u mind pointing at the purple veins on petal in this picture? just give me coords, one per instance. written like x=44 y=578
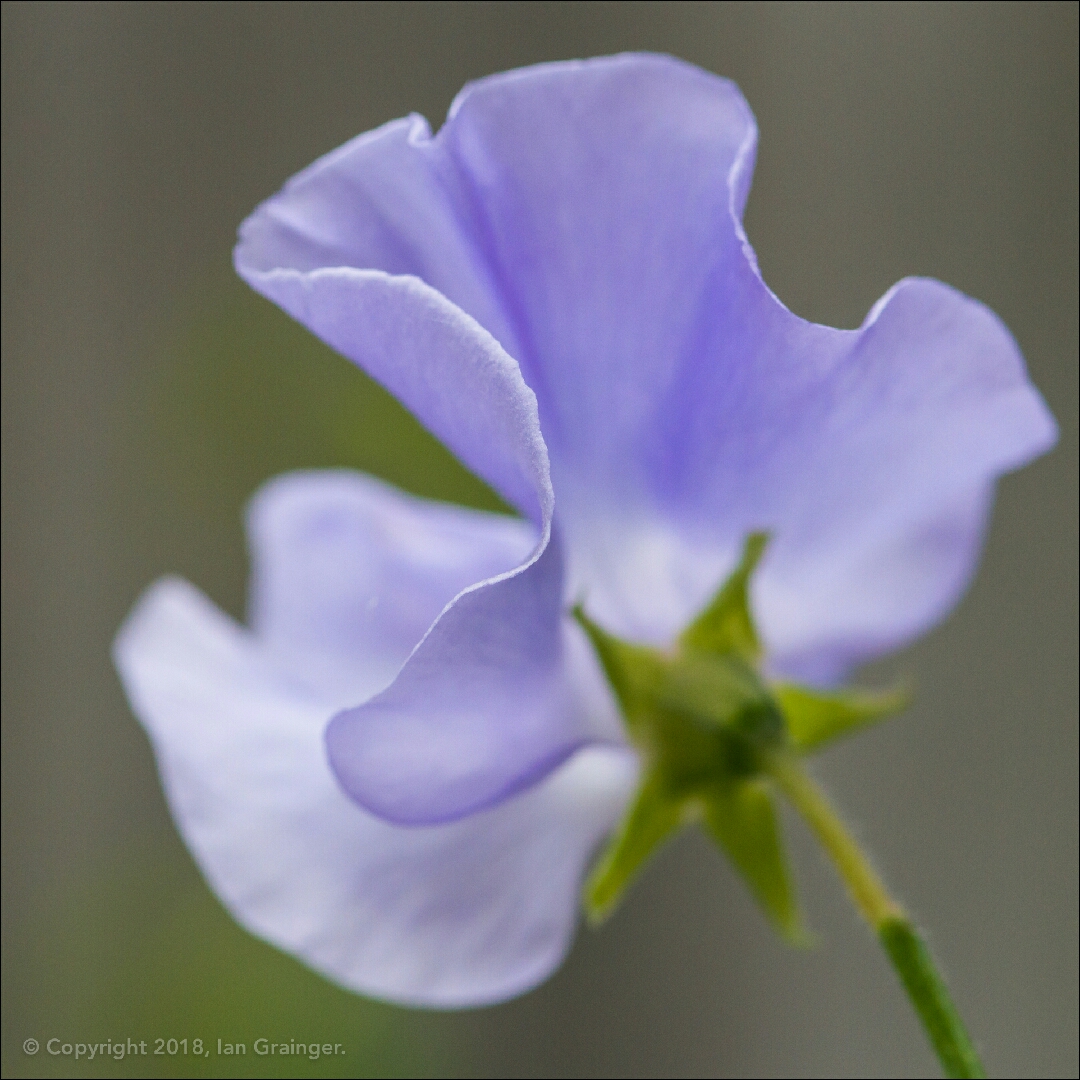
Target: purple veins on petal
x=588 y=214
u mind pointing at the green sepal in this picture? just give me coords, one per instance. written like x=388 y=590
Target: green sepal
x=741 y=817
x=726 y=626
x=816 y=717
x=707 y=724
x=697 y=718
x=633 y=672
x=701 y=719
x=711 y=688
x=652 y=818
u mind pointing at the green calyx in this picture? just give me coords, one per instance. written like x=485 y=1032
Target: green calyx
x=710 y=729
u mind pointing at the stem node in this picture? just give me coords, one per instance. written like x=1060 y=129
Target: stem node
x=907 y=951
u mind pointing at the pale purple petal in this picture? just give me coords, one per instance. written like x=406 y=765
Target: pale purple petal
x=491 y=701
x=603 y=194
x=576 y=210
x=870 y=455
x=900 y=446
x=388 y=200
x=465 y=387
x=447 y=368
x=449 y=916
x=348 y=574
x=588 y=214
x=684 y=406
x=383 y=202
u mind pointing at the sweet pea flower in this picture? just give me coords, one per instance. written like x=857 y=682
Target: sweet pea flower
x=400 y=770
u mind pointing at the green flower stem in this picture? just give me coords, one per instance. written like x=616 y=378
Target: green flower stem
x=930 y=996
x=909 y=955
x=866 y=888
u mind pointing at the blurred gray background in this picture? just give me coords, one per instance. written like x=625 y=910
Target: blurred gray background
x=146 y=394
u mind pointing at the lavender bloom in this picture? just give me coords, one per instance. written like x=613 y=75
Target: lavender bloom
x=400 y=771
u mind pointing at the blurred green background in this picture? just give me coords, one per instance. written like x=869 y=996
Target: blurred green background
x=146 y=394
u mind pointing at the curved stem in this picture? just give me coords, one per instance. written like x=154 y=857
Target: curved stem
x=898 y=936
